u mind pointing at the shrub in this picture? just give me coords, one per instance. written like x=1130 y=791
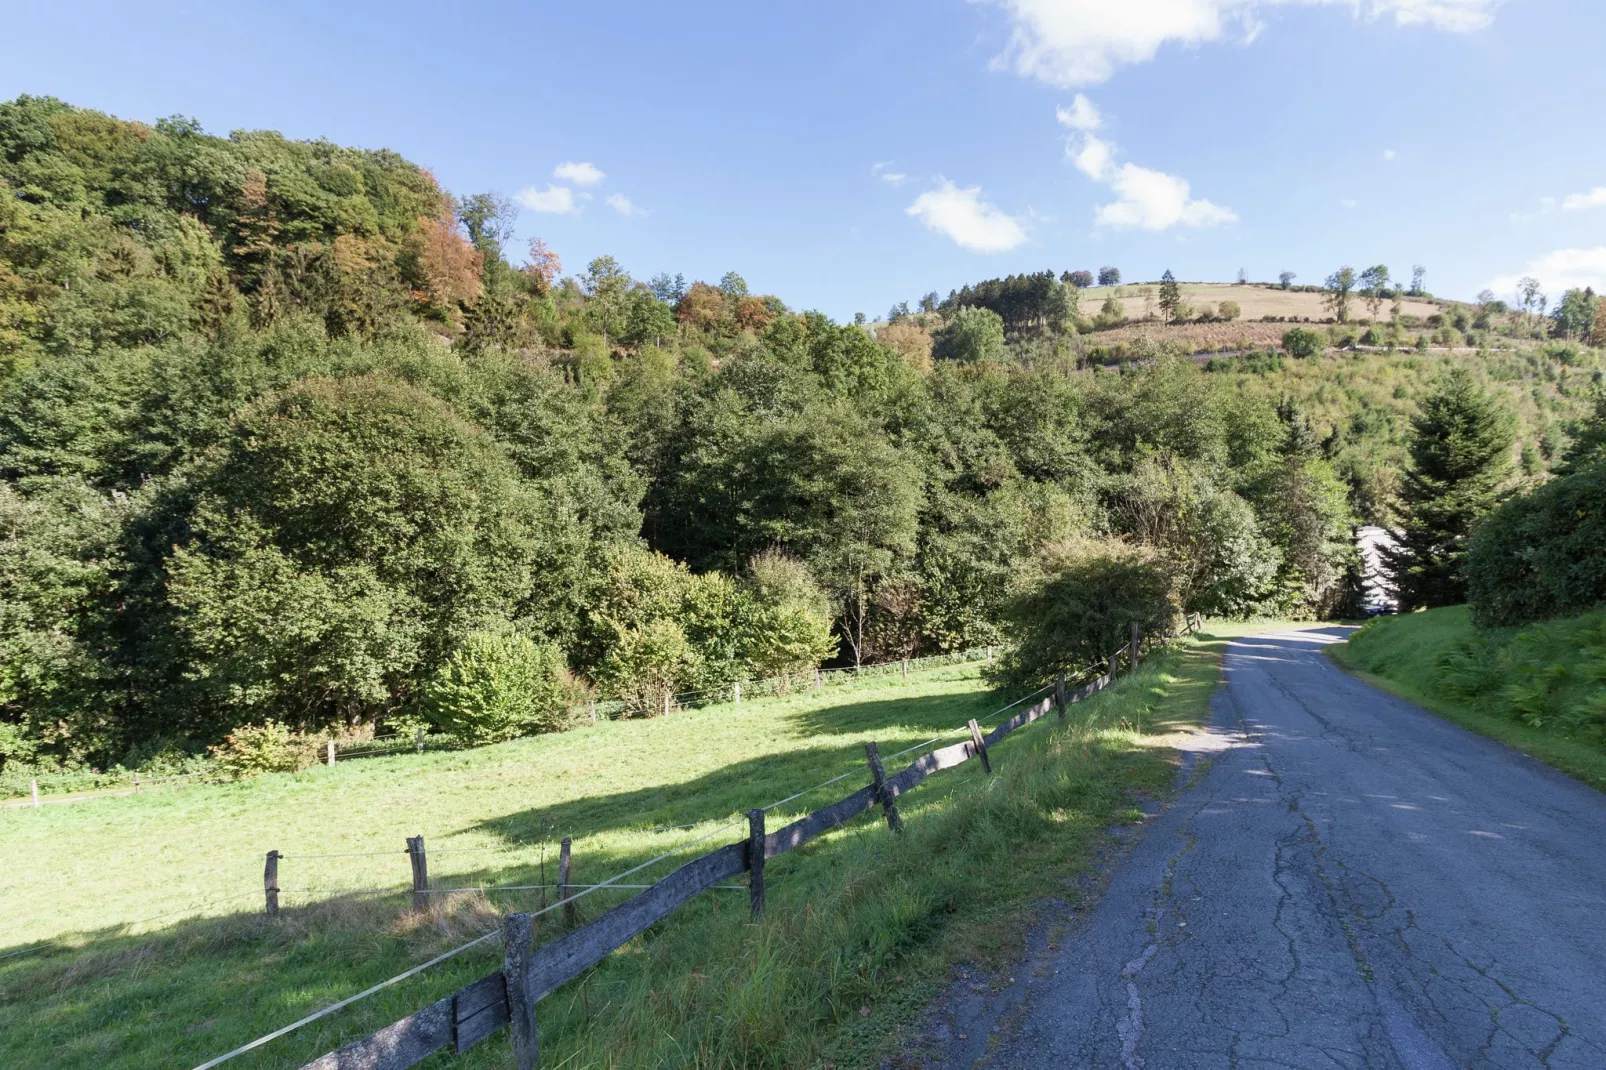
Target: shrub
x=1076 y=606
x=1371 y=337
x=270 y=747
x=498 y=686
x=1541 y=555
x=1229 y=311
x=1300 y=342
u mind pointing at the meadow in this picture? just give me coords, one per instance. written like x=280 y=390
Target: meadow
x=1253 y=301
x=860 y=927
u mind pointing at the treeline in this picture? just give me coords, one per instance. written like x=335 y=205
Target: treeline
x=251 y=476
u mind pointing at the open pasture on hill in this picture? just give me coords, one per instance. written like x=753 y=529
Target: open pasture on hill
x=1254 y=302
x=860 y=923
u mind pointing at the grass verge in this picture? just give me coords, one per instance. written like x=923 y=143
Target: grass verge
x=861 y=925
x=1536 y=690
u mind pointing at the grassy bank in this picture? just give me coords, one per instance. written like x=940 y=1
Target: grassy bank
x=1540 y=689
x=861 y=924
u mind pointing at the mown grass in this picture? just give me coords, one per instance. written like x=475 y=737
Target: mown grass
x=861 y=923
x=1540 y=690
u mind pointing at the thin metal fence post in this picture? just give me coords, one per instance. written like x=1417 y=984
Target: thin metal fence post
x=570 y=914
x=889 y=806
x=517 y=930
x=270 y=883
x=755 y=863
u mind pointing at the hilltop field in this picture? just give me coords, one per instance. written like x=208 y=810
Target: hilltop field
x=1140 y=301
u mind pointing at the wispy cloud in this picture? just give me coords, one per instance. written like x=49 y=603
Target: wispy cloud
x=558 y=200
x=891 y=178
x=1146 y=199
x=1072 y=43
x=1564 y=269
x=623 y=205
x=1389 y=154
x=970 y=221
x=581 y=174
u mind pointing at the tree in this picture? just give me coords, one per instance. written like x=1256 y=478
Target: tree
x=1109 y=276
x=1304 y=512
x=544 y=266
x=910 y=341
x=1170 y=298
x=1300 y=342
x=1418 y=273
x=1339 y=284
x=733 y=284
x=666 y=289
x=1575 y=314
x=1374 y=283
x=972 y=335
x=1080 y=279
x=489 y=219
x=1229 y=311
x=1243 y=276
x=1286 y=278
x=1460 y=464
x=1529 y=295
x=928 y=303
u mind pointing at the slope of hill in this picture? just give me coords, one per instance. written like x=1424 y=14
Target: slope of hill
x=1140 y=301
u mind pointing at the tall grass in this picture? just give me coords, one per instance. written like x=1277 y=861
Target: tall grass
x=1541 y=689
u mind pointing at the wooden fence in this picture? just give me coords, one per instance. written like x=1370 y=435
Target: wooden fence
x=509 y=995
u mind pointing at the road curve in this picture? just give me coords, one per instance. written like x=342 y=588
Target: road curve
x=1353 y=882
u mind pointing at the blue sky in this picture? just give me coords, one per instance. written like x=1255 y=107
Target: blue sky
x=847 y=155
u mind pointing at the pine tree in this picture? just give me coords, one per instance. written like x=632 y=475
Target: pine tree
x=1170 y=297
x=1461 y=462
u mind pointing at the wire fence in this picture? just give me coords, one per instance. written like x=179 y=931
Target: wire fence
x=616 y=882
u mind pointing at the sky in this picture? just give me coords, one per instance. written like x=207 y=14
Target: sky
x=850 y=154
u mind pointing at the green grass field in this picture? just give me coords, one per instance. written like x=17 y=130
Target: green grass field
x=861 y=924
x=1537 y=689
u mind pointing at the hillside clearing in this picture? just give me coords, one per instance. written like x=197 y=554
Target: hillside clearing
x=859 y=921
x=1253 y=301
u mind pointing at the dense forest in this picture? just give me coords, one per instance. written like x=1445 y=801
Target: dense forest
x=288 y=433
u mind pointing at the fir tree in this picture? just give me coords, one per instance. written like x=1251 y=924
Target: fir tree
x=1461 y=461
x=1170 y=297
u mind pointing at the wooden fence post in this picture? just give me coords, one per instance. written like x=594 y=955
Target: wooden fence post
x=989 y=654
x=1132 y=654
x=736 y=694
x=593 y=711
x=755 y=863
x=415 y=851
x=418 y=738
x=979 y=747
x=570 y=915
x=889 y=806
x=1059 y=694
x=33 y=786
x=906 y=668
x=331 y=752
x=516 y=939
x=270 y=882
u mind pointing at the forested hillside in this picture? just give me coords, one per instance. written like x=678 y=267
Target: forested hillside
x=287 y=435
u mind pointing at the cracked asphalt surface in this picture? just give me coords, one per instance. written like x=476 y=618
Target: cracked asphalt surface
x=1353 y=882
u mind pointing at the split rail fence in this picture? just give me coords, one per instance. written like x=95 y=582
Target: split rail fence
x=507 y=997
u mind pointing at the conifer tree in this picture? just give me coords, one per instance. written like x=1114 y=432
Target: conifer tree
x=1460 y=464
x=1170 y=297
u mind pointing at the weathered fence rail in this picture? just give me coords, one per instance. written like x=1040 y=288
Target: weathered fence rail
x=508 y=996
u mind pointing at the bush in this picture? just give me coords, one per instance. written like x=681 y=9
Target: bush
x=270 y=747
x=501 y=685
x=1076 y=607
x=1541 y=555
x=1300 y=342
x=1229 y=311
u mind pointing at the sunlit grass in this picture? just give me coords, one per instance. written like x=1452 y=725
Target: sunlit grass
x=858 y=920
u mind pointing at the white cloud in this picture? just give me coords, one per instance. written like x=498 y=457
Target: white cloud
x=581 y=174
x=1348 y=202
x=1145 y=198
x=1071 y=43
x=891 y=178
x=1388 y=154
x=1154 y=200
x=1081 y=115
x=558 y=200
x=1564 y=269
x=971 y=222
x=1595 y=198
x=623 y=205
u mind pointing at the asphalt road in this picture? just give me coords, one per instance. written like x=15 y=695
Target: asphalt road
x=1353 y=882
